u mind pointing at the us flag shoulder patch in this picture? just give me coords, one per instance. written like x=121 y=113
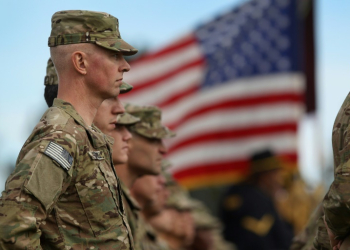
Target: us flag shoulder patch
x=60 y=155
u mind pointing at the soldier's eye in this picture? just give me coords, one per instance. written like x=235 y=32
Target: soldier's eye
x=118 y=56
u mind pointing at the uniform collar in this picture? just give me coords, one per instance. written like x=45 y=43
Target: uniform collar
x=97 y=138
x=132 y=202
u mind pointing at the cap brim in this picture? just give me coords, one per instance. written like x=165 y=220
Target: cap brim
x=125 y=88
x=157 y=133
x=117 y=45
x=127 y=119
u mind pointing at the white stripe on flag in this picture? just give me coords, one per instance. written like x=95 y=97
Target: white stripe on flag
x=244 y=88
x=241 y=118
x=219 y=151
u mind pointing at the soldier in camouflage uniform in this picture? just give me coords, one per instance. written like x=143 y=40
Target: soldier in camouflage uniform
x=175 y=224
x=145 y=155
x=315 y=233
x=336 y=202
x=50 y=83
x=151 y=194
x=64 y=192
x=206 y=230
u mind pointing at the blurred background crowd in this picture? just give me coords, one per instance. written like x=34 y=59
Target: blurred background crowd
x=250 y=87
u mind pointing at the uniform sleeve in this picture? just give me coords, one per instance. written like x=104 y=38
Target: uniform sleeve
x=337 y=204
x=40 y=176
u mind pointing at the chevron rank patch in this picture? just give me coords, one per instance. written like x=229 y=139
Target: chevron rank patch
x=60 y=155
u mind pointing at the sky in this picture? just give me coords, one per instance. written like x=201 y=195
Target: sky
x=152 y=24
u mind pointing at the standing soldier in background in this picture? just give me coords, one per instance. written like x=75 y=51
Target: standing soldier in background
x=51 y=200
x=337 y=201
x=314 y=234
x=151 y=194
x=200 y=231
x=145 y=157
x=51 y=83
x=248 y=213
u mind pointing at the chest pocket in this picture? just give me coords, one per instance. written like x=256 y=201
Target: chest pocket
x=95 y=193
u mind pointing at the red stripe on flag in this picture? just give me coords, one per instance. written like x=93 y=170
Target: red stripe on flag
x=222 y=167
x=162 y=78
x=233 y=134
x=188 y=40
x=244 y=102
x=178 y=96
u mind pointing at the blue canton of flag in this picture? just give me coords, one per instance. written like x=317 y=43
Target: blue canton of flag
x=260 y=37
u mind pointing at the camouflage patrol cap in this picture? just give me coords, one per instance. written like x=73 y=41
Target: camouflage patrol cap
x=179 y=198
x=127 y=119
x=202 y=217
x=125 y=88
x=52 y=79
x=150 y=124
x=51 y=75
x=82 y=26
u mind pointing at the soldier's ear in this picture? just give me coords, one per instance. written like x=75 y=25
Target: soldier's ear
x=79 y=62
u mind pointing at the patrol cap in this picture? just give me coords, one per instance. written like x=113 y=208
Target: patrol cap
x=51 y=75
x=83 y=26
x=150 y=124
x=125 y=88
x=127 y=119
x=165 y=165
x=179 y=199
x=52 y=79
x=203 y=218
x=264 y=161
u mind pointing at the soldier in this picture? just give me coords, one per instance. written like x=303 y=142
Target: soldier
x=193 y=227
x=51 y=85
x=145 y=156
x=248 y=213
x=208 y=230
x=64 y=193
x=336 y=201
x=151 y=195
x=313 y=235
x=172 y=222
x=110 y=118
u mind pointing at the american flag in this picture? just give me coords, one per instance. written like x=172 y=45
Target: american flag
x=232 y=87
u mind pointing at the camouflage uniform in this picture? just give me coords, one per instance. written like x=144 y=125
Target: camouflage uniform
x=148 y=237
x=315 y=227
x=336 y=202
x=132 y=212
x=150 y=126
x=203 y=220
x=64 y=192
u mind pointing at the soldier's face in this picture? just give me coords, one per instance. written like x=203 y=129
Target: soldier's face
x=106 y=116
x=145 y=155
x=151 y=193
x=105 y=72
x=121 y=138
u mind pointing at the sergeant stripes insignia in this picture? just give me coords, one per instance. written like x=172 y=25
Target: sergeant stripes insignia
x=60 y=155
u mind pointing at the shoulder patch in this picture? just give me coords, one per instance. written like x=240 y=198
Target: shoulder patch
x=60 y=155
